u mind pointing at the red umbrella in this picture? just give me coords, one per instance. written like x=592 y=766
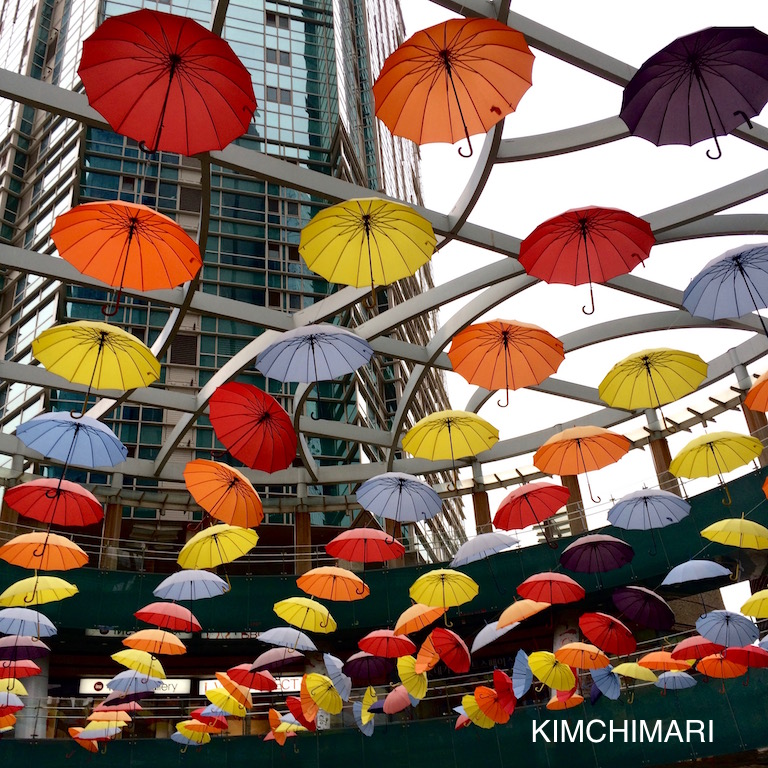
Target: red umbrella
x=18 y=669
x=586 y=245
x=167 y=82
x=216 y=721
x=607 y=633
x=384 y=642
x=295 y=708
x=452 y=650
x=531 y=504
x=255 y=679
x=55 y=501
x=695 y=647
x=365 y=545
x=502 y=684
x=171 y=616
x=553 y=588
x=253 y=427
x=748 y=656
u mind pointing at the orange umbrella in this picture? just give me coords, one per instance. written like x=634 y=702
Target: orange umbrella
x=224 y=493
x=308 y=705
x=663 y=660
x=757 y=397
x=580 y=449
x=87 y=744
x=453 y=80
x=155 y=641
x=718 y=666
x=126 y=245
x=332 y=583
x=556 y=704
x=582 y=656
x=44 y=551
x=238 y=692
x=501 y=354
x=427 y=657
x=488 y=701
x=417 y=617
x=519 y=611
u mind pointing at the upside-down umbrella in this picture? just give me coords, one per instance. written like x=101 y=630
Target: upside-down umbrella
x=489 y=634
x=55 y=501
x=170 y=616
x=365 y=545
x=253 y=426
x=287 y=637
x=305 y=613
x=580 y=449
x=98 y=355
x=581 y=656
x=329 y=582
x=367 y=242
x=126 y=245
x=167 y=82
x=695 y=647
x=453 y=80
x=698 y=87
x=37 y=590
x=553 y=588
x=314 y=353
x=452 y=650
x=727 y=628
x=43 y=550
x=550 y=671
x=531 y=504
x=586 y=245
x=443 y=587
x=368 y=667
x=385 y=643
x=416 y=617
x=217 y=545
x=519 y=611
x=190 y=584
x=606 y=681
x=224 y=492
x=644 y=607
x=502 y=354
x=596 y=553
x=607 y=633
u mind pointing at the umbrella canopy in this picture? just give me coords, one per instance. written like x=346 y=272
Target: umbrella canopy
x=748 y=655
x=275 y=658
x=489 y=634
x=453 y=80
x=757 y=397
x=596 y=553
x=694 y=570
x=132 y=682
x=662 y=660
x=652 y=378
x=25 y=621
x=586 y=245
x=224 y=493
x=416 y=617
x=45 y=551
x=367 y=242
x=756 y=606
x=84 y=442
x=443 y=587
x=335 y=669
x=55 y=501
x=557 y=703
x=675 y=681
x=737 y=532
x=720 y=667
x=365 y=545
x=190 y=585
x=216 y=545
x=385 y=643
x=167 y=82
x=452 y=650
x=531 y=504
x=331 y=583
x=155 y=641
x=643 y=606
x=287 y=637
x=607 y=682
x=88 y=744
x=253 y=679
x=715 y=454
x=488 y=701
x=414 y=682
x=522 y=677
x=323 y=693
x=253 y=426
x=396 y=700
x=502 y=354
x=427 y=658
x=647 y=509
x=367 y=667
x=480 y=547
x=365 y=727
x=297 y=711
x=472 y=711
x=519 y=611
x=223 y=699
x=505 y=696
x=550 y=671
x=398 y=496
x=450 y=435
x=25 y=647
x=140 y=661
x=727 y=628
x=37 y=590
x=553 y=588
x=695 y=647
x=314 y=353
x=700 y=86
x=635 y=671
x=607 y=633
x=581 y=656
x=18 y=669
x=239 y=692
x=169 y=616
x=305 y=613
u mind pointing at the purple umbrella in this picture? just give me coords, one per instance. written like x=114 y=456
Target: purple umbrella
x=700 y=86
x=596 y=553
x=276 y=657
x=643 y=606
x=17 y=647
x=367 y=667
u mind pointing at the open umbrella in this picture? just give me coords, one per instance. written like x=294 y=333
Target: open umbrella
x=488 y=701
x=217 y=545
x=586 y=245
x=55 y=501
x=727 y=628
x=253 y=426
x=453 y=80
x=224 y=493
x=190 y=584
x=550 y=671
x=416 y=617
x=126 y=245
x=489 y=634
x=414 y=682
x=581 y=656
x=400 y=497
x=297 y=711
x=155 y=641
x=522 y=677
x=720 y=667
x=596 y=553
x=385 y=643
x=323 y=693
x=452 y=650
x=275 y=658
x=580 y=449
x=25 y=621
x=519 y=611
x=607 y=633
x=365 y=545
x=43 y=550
x=502 y=354
x=695 y=647
x=443 y=588
x=481 y=547
x=696 y=573
x=314 y=353
x=304 y=613
x=472 y=711
x=167 y=82
x=396 y=700
x=37 y=590
x=427 y=658
x=644 y=607
x=335 y=669
x=329 y=582
x=18 y=669
x=674 y=681
x=700 y=86
x=366 y=667
x=551 y=588
x=169 y=616
x=757 y=397
x=756 y=606
x=287 y=637
x=663 y=661
x=223 y=699
x=142 y=662
x=18 y=647
x=364 y=726
x=531 y=504
x=737 y=532
x=253 y=679
x=635 y=671
x=606 y=681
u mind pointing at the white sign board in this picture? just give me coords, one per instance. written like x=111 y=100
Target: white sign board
x=170 y=687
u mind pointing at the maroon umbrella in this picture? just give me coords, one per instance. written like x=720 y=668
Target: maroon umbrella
x=700 y=86
x=276 y=657
x=15 y=647
x=643 y=606
x=552 y=588
x=596 y=553
x=366 y=667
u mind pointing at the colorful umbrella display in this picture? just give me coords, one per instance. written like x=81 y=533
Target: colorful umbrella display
x=531 y=504
x=453 y=80
x=253 y=426
x=167 y=82
x=698 y=87
x=586 y=245
x=502 y=354
x=400 y=497
x=55 y=501
x=365 y=545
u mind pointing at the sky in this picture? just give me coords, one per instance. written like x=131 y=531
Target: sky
x=631 y=174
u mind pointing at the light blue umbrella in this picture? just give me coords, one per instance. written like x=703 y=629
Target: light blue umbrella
x=607 y=682
x=84 y=442
x=213 y=711
x=489 y=634
x=647 y=509
x=694 y=570
x=8 y=699
x=314 y=353
x=357 y=711
x=522 y=677
x=400 y=497
x=675 y=681
x=341 y=682
x=180 y=738
x=287 y=637
x=190 y=585
x=732 y=285
x=481 y=546
x=131 y=681
x=727 y=628
x=24 y=621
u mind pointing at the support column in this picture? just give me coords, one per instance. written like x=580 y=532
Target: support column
x=757 y=423
x=577 y=520
x=661 y=455
x=110 y=538
x=302 y=528
x=32 y=721
x=480 y=501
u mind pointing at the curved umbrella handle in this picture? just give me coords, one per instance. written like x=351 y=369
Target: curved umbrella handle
x=727 y=501
x=471 y=150
x=746 y=118
x=719 y=151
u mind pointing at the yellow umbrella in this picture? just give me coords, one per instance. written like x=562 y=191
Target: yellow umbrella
x=443 y=588
x=142 y=662
x=240 y=693
x=44 y=551
x=37 y=590
x=757 y=605
x=369 y=698
x=11 y=685
x=413 y=682
x=474 y=713
x=519 y=611
x=223 y=699
x=322 y=691
x=155 y=641
x=450 y=435
x=304 y=613
x=550 y=671
x=737 y=532
x=367 y=241
x=98 y=355
x=582 y=656
x=635 y=671
x=417 y=617
x=199 y=737
x=217 y=545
